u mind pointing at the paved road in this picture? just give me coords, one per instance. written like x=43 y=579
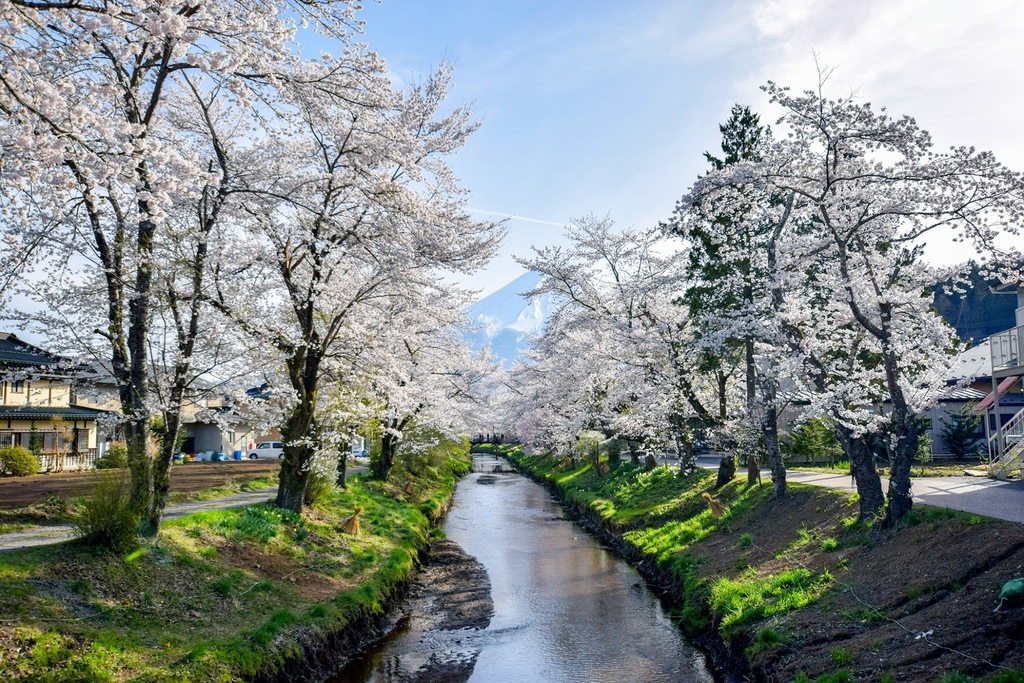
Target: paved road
x=976 y=495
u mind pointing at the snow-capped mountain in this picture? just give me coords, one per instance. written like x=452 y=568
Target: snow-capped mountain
x=505 y=319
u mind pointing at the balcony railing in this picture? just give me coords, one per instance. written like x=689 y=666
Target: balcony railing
x=1007 y=349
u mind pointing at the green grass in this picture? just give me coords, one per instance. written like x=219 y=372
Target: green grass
x=219 y=595
x=751 y=598
x=936 y=516
x=766 y=639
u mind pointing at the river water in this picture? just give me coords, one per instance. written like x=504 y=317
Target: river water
x=565 y=608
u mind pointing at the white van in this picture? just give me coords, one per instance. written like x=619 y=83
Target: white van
x=267 y=449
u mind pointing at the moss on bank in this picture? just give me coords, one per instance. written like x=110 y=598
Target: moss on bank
x=797 y=589
x=220 y=595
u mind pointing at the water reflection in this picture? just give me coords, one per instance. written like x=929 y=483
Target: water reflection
x=565 y=609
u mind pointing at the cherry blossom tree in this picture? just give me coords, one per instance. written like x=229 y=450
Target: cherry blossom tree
x=614 y=355
x=350 y=208
x=860 y=190
x=871 y=186
x=93 y=164
x=733 y=234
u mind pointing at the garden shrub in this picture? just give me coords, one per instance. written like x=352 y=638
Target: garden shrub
x=18 y=461
x=106 y=518
x=116 y=457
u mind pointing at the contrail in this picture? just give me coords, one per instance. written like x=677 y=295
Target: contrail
x=518 y=218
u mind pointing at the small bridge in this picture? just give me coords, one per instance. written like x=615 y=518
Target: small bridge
x=485 y=462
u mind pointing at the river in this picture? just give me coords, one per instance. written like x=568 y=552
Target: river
x=565 y=607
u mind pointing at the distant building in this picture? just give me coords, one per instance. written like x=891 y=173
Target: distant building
x=37 y=410
x=1003 y=407
x=210 y=423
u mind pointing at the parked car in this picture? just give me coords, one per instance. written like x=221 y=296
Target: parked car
x=267 y=449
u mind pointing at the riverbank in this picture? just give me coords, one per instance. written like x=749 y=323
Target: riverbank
x=449 y=601
x=253 y=593
x=797 y=589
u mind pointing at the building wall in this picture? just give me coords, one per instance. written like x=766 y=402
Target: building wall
x=41 y=393
x=54 y=442
x=209 y=437
x=99 y=397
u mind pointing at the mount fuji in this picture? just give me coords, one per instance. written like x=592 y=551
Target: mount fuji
x=505 y=319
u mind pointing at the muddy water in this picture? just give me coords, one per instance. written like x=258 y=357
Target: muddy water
x=565 y=608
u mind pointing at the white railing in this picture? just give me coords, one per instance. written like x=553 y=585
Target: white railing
x=1007 y=348
x=1010 y=447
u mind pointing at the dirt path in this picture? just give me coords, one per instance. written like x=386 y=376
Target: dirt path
x=18 y=492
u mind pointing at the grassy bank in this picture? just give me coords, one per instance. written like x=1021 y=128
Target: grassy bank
x=220 y=595
x=798 y=589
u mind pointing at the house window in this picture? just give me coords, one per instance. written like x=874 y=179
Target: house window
x=6 y=439
x=18 y=386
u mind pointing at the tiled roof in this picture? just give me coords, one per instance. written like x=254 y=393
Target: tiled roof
x=41 y=413
x=15 y=352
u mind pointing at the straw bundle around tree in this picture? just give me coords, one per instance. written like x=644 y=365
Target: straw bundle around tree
x=718 y=508
x=351 y=525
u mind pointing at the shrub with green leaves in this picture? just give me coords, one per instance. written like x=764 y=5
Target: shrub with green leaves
x=588 y=448
x=18 y=461
x=106 y=518
x=813 y=441
x=116 y=457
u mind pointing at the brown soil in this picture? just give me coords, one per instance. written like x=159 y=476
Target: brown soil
x=311 y=584
x=21 y=491
x=909 y=604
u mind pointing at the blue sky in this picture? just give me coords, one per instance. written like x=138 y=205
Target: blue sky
x=599 y=106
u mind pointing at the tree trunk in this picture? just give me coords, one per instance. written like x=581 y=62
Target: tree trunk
x=291 y=490
x=901 y=499
x=753 y=455
x=187 y=326
x=753 y=469
x=140 y=466
x=722 y=406
x=342 y=466
x=726 y=470
x=139 y=461
x=162 y=468
x=687 y=462
x=634 y=453
x=298 y=453
x=770 y=426
x=865 y=476
x=388 y=446
x=904 y=433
